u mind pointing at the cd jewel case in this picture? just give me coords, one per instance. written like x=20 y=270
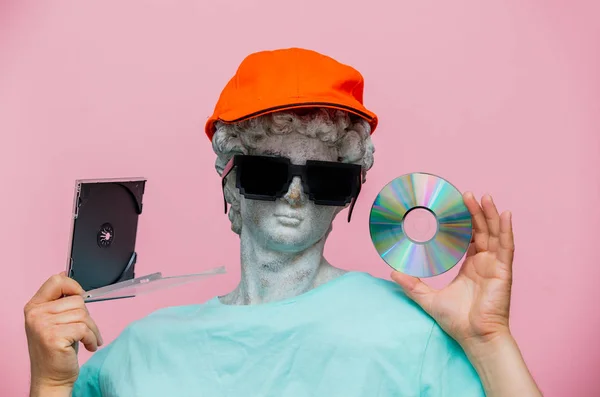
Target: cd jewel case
x=146 y=284
x=102 y=255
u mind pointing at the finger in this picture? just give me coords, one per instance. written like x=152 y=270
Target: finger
x=506 y=247
x=493 y=221
x=64 y=304
x=79 y=315
x=89 y=340
x=56 y=287
x=480 y=232
x=77 y=332
x=415 y=289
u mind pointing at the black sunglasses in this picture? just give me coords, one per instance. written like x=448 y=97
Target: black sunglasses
x=269 y=178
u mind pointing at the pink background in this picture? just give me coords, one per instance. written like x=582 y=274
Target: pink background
x=500 y=97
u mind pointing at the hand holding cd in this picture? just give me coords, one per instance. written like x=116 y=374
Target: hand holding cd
x=474 y=307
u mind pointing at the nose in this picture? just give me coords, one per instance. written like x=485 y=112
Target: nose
x=295 y=195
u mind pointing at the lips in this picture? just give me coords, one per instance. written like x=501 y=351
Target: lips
x=288 y=215
x=288 y=219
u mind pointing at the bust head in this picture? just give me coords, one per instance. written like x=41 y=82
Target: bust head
x=293 y=222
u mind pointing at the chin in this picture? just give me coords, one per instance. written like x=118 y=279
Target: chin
x=283 y=238
x=289 y=240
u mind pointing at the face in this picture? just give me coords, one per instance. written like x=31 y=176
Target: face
x=292 y=223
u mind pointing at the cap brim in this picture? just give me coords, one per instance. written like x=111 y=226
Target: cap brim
x=237 y=116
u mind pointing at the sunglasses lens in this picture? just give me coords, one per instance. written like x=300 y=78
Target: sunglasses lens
x=328 y=183
x=262 y=177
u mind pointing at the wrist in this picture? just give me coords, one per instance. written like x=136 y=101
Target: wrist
x=40 y=388
x=483 y=348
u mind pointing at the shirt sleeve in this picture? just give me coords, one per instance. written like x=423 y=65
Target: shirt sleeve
x=446 y=370
x=88 y=381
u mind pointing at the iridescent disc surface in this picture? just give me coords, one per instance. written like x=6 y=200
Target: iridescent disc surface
x=387 y=225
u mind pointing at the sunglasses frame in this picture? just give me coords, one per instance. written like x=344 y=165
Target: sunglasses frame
x=293 y=171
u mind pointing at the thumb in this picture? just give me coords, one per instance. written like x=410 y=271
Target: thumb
x=415 y=289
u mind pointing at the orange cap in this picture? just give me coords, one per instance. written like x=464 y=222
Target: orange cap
x=270 y=81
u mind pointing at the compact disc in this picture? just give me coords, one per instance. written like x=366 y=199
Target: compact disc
x=420 y=225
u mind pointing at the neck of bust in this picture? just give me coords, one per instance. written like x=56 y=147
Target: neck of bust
x=268 y=275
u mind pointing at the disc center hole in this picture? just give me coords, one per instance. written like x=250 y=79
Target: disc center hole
x=420 y=225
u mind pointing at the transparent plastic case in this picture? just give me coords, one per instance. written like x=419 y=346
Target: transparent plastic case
x=147 y=284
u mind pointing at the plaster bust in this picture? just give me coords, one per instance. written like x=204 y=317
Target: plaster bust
x=282 y=242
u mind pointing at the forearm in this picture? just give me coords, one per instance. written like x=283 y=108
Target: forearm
x=502 y=369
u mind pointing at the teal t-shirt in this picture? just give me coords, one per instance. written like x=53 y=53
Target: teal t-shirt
x=356 y=335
